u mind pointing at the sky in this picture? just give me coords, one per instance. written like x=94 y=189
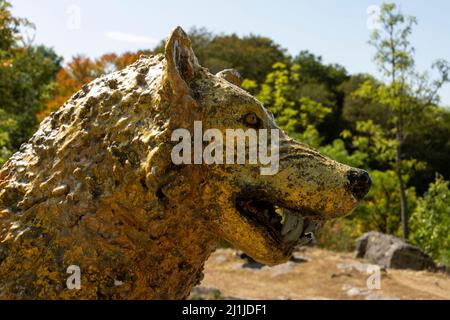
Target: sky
x=337 y=30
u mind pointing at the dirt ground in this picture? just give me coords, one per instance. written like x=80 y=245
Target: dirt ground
x=314 y=274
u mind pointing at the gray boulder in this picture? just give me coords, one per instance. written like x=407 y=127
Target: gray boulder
x=391 y=252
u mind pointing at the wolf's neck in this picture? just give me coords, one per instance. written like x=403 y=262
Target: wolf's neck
x=121 y=255
x=127 y=245
x=177 y=249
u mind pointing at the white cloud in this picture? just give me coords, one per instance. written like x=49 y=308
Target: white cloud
x=132 y=38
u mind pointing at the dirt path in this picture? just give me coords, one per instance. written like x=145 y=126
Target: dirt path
x=314 y=274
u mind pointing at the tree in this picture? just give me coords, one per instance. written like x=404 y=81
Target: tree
x=315 y=70
x=337 y=151
x=357 y=108
x=431 y=221
x=251 y=55
x=323 y=83
x=26 y=76
x=295 y=113
x=7 y=124
x=82 y=70
x=379 y=210
x=434 y=144
x=432 y=133
x=405 y=92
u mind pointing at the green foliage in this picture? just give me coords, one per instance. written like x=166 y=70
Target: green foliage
x=380 y=208
x=394 y=56
x=374 y=141
x=7 y=124
x=403 y=94
x=323 y=83
x=338 y=152
x=337 y=235
x=379 y=145
x=26 y=74
x=24 y=86
x=429 y=142
x=251 y=55
x=296 y=114
x=9 y=29
x=360 y=108
x=376 y=136
x=431 y=221
x=315 y=71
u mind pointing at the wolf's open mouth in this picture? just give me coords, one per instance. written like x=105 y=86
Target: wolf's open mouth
x=285 y=224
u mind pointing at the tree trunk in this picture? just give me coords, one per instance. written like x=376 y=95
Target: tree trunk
x=401 y=183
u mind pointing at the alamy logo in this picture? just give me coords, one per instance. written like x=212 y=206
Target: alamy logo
x=74 y=281
x=374 y=280
x=240 y=146
x=73 y=21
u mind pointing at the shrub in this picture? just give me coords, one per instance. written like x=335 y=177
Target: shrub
x=430 y=221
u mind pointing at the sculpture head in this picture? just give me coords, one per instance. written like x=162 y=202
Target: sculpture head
x=264 y=209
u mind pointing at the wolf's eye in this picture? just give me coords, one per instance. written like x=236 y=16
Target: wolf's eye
x=251 y=119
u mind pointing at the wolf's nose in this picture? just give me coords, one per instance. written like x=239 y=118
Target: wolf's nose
x=360 y=183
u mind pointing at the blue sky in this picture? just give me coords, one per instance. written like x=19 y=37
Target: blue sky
x=335 y=29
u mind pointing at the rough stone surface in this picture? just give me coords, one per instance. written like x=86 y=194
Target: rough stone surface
x=391 y=252
x=231 y=76
x=95 y=187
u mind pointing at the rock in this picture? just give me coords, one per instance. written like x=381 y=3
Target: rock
x=391 y=252
x=232 y=76
x=60 y=191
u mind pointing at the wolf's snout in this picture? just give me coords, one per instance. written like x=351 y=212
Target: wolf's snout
x=359 y=182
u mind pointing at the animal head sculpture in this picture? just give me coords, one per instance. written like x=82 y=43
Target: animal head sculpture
x=264 y=215
x=97 y=187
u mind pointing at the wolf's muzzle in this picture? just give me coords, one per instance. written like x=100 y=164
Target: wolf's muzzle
x=359 y=183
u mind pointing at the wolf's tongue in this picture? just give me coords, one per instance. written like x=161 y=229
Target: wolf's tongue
x=292 y=226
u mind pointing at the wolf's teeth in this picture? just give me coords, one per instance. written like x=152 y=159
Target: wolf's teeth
x=304 y=240
x=295 y=233
x=292 y=227
x=289 y=223
x=311 y=228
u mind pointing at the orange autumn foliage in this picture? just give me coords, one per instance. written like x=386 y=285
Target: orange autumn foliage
x=82 y=70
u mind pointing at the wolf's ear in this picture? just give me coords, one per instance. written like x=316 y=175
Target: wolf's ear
x=182 y=64
x=231 y=75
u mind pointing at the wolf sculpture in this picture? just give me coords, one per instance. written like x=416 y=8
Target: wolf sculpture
x=95 y=188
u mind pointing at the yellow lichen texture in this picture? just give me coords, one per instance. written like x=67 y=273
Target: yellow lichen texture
x=95 y=187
